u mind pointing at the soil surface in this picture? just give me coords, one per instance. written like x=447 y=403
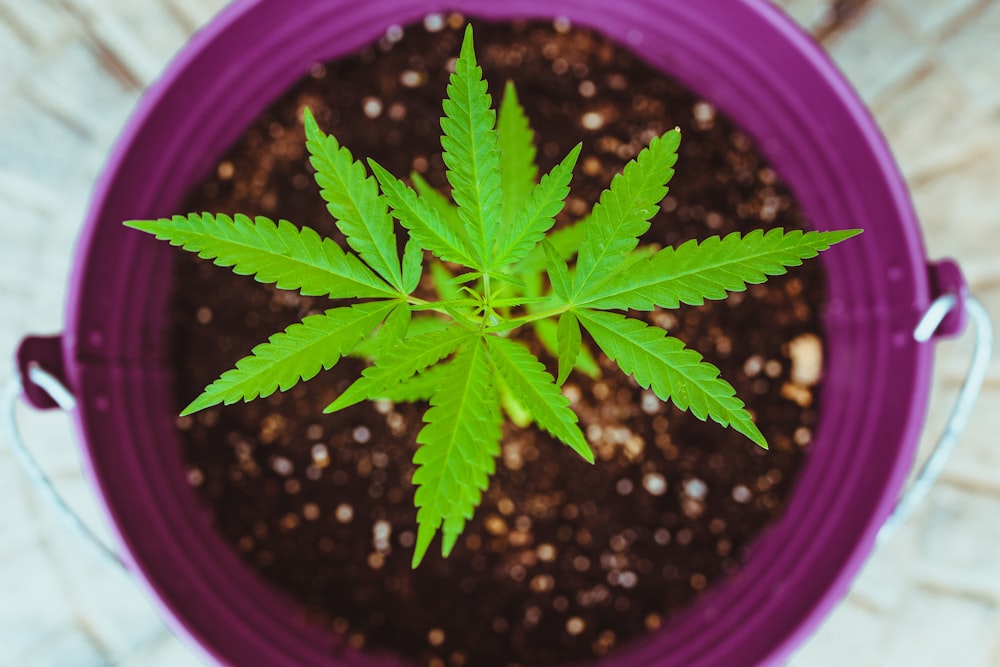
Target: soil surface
x=563 y=560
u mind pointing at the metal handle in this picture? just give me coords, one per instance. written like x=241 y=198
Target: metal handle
x=13 y=389
x=982 y=345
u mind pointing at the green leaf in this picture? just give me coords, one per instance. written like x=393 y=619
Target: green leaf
x=441 y=279
x=458 y=451
x=570 y=342
x=453 y=303
x=508 y=278
x=393 y=330
x=710 y=269
x=637 y=255
x=517 y=156
x=401 y=362
x=369 y=347
x=674 y=372
x=440 y=203
x=536 y=389
x=283 y=254
x=295 y=354
x=533 y=283
x=413 y=261
x=421 y=219
x=566 y=241
x=537 y=215
x=420 y=387
x=557 y=270
x=548 y=335
x=471 y=153
x=622 y=215
x=514 y=301
x=466 y=278
x=515 y=411
x=353 y=200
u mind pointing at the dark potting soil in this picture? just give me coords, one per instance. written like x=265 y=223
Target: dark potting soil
x=563 y=560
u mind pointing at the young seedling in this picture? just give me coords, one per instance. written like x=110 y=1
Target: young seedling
x=495 y=269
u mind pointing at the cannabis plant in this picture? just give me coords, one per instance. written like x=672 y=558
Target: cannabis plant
x=494 y=270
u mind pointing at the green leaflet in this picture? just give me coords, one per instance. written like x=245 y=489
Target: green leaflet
x=370 y=347
x=570 y=343
x=515 y=411
x=517 y=157
x=283 y=254
x=353 y=200
x=622 y=215
x=421 y=219
x=548 y=335
x=394 y=329
x=401 y=362
x=447 y=211
x=557 y=270
x=466 y=278
x=413 y=264
x=566 y=241
x=458 y=449
x=538 y=213
x=696 y=271
x=471 y=153
x=532 y=385
x=297 y=353
x=546 y=329
x=443 y=281
x=674 y=372
x=519 y=301
x=420 y=387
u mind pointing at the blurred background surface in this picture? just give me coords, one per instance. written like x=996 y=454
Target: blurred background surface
x=71 y=72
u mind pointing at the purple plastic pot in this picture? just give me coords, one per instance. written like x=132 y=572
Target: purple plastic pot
x=741 y=54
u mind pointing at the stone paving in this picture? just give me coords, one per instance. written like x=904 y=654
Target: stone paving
x=928 y=69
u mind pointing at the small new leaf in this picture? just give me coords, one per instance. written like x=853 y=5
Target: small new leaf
x=570 y=342
x=537 y=215
x=370 y=347
x=394 y=329
x=557 y=270
x=420 y=387
x=566 y=241
x=421 y=219
x=402 y=362
x=548 y=335
x=517 y=156
x=413 y=264
x=458 y=449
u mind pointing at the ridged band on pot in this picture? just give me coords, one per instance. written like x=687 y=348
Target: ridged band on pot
x=742 y=55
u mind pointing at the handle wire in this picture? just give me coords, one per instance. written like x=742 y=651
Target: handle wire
x=958 y=419
x=9 y=394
